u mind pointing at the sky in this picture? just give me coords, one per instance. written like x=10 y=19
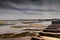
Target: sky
x=29 y=10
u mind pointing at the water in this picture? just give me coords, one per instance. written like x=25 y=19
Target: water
x=9 y=29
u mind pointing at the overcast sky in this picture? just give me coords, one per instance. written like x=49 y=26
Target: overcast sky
x=29 y=11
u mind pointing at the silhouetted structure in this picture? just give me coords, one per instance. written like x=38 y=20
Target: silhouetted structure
x=55 y=27
x=52 y=30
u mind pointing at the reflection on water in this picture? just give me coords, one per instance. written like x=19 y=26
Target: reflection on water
x=8 y=29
